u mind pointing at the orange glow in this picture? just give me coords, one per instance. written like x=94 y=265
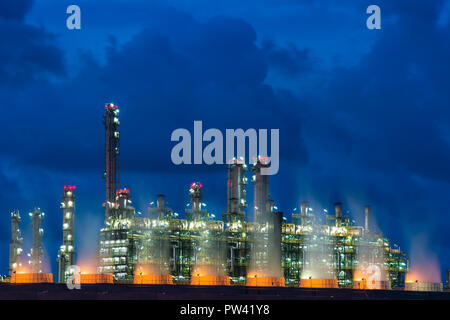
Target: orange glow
x=86 y=266
x=423 y=286
x=208 y=275
x=150 y=269
x=23 y=277
x=424 y=264
x=423 y=274
x=152 y=279
x=22 y=270
x=360 y=279
x=200 y=280
x=258 y=280
x=318 y=283
x=94 y=278
x=365 y=278
x=412 y=277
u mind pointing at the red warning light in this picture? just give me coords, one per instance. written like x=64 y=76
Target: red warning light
x=124 y=190
x=196 y=185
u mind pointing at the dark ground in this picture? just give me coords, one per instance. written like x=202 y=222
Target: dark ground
x=184 y=292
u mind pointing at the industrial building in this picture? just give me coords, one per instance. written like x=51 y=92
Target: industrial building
x=66 y=254
x=447 y=279
x=15 y=245
x=163 y=248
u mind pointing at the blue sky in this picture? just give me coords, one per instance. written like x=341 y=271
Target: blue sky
x=363 y=114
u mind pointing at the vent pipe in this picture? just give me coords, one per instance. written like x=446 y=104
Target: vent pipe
x=338 y=213
x=367 y=217
x=160 y=201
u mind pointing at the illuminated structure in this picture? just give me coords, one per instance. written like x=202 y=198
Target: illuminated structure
x=200 y=250
x=235 y=233
x=447 y=279
x=111 y=174
x=261 y=191
x=117 y=247
x=37 y=253
x=66 y=254
x=265 y=236
x=196 y=213
x=116 y=251
x=15 y=245
x=162 y=248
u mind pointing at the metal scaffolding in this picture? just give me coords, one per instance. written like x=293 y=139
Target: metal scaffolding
x=15 y=245
x=163 y=245
x=66 y=254
x=36 y=253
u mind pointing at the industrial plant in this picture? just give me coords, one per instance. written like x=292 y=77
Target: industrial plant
x=199 y=250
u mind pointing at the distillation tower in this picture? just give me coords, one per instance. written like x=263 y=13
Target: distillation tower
x=66 y=254
x=37 y=253
x=15 y=245
x=235 y=220
x=266 y=250
x=261 y=192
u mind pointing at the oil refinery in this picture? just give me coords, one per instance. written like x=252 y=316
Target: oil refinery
x=200 y=250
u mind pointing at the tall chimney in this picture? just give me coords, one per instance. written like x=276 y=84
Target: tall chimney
x=304 y=205
x=261 y=192
x=111 y=174
x=338 y=213
x=160 y=201
x=270 y=205
x=195 y=192
x=236 y=195
x=367 y=217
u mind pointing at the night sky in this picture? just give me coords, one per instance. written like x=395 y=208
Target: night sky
x=363 y=114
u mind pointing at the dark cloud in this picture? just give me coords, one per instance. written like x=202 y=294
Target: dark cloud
x=289 y=61
x=163 y=81
x=28 y=53
x=15 y=10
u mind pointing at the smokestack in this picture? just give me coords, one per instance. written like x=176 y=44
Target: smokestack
x=338 y=213
x=236 y=196
x=447 y=279
x=304 y=205
x=111 y=174
x=274 y=246
x=367 y=217
x=36 y=253
x=261 y=192
x=160 y=211
x=195 y=192
x=160 y=201
x=15 y=245
x=270 y=205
